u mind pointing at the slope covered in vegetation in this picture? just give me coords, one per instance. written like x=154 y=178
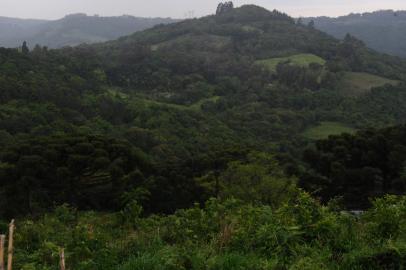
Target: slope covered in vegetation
x=189 y=92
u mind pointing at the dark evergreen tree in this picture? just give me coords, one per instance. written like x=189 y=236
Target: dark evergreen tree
x=224 y=7
x=24 y=48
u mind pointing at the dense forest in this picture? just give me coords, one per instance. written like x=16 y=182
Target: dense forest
x=382 y=30
x=358 y=167
x=211 y=143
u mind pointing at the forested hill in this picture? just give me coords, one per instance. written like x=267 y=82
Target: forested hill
x=71 y=30
x=162 y=114
x=383 y=31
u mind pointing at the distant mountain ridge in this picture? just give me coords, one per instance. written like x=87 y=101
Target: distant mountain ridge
x=72 y=30
x=384 y=30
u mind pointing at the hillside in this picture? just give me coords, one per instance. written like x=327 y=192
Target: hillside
x=216 y=120
x=186 y=91
x=71 y=30
x=383 y=31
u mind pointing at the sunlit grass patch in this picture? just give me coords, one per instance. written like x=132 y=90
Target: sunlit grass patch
x=325 y=129
x=297 y=59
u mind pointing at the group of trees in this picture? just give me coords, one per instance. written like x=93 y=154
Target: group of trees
x=85 y=171
x=301 y=77
x=358 y=167
x=224 y=7
x=101 y=173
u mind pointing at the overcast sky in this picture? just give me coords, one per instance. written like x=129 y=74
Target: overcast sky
x=53 y=9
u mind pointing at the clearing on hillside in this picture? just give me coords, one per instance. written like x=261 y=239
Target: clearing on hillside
x=358 y=83
x=303 y=60
x=204 y=42
x=195 y=106
x=325 y=129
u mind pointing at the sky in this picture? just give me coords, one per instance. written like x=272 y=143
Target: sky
x=55 y=9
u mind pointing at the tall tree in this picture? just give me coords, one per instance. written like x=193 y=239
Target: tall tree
x=224 y=7
x=24 y=48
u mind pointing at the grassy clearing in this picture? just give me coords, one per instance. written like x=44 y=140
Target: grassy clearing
x=198 y=105
x=358 y=83
x=117 y=92
x=297 y=59
x=325 y=129
x=195 y=106
x=205 y=41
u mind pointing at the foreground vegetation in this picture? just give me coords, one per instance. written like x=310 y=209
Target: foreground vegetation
x=223 y=235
